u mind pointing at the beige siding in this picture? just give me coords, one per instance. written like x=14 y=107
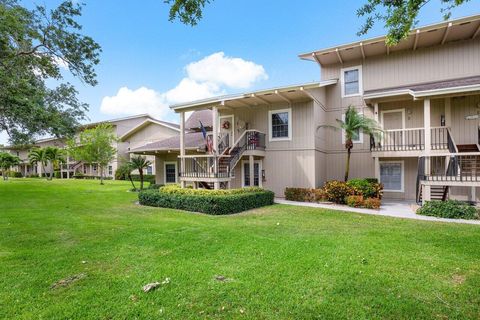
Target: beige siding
x=465 y=131
x=453 y=60
x=361 y=165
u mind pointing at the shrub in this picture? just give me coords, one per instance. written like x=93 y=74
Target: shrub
x=337 y=191
x=33 y=175
x=78 y=175
x=58 y=174
x=155 y=186
x=298 y=194
x=355 y=201
x=146 y=178
x=119 y=175
x=372 y=203
x=452 y=209
x=14 y=174
x=368 y=188
x=215 y=202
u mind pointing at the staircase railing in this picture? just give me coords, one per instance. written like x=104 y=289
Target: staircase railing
x=249 y=140
x=420 y=176
x=224 y=143
x=452 y=146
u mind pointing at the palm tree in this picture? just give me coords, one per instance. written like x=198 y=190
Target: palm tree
x=39 y=156
x=125 y=170
x=354 y=123
x=139 y=163
x=6 y=162
x=56 y=157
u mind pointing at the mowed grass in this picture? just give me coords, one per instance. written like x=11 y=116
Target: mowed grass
x=281 y=262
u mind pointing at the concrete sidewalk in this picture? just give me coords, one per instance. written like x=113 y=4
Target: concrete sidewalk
x=398 y=209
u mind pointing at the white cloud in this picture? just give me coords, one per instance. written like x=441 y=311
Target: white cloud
x=222 y=70
x=190 y=90
x=131 y=102
x=206 y=78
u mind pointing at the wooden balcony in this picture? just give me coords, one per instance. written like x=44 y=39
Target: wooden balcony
x=409 y=142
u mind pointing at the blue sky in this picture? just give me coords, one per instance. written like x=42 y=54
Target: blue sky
x=142 y=49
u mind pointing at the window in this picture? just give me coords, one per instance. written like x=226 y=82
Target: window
x=351 y=80
x=391 y=175
x=280 y=123
x=257 y=169
x=110 y=170
x=357 y=137
x=170 y=172
x=149 y=170
x=84 y=169
x=95 y=166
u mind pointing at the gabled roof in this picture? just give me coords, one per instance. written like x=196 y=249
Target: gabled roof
x=427 y=36
x=193 y=141
x=147 y=122
x=204 y=116
x=451 y=86
x=260 y=97
x=112 y=121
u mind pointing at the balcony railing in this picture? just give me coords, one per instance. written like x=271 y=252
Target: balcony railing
x=458 y=167
x=206 y=166
x=400 y=140
x=412 y=139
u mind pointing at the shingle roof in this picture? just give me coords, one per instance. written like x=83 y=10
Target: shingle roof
x=444 y=84
x=193 y=140
x=193 y=122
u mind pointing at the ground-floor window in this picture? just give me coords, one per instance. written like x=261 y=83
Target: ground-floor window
x=110 y=170
x=257 y=169
x=84 y=169
x=392 y=175
x=149 y=170
x=170 y=172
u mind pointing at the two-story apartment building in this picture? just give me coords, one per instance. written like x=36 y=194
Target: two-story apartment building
x=425 y=93
x=131 y=132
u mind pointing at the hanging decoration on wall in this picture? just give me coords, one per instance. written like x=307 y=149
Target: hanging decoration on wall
x=226 y=125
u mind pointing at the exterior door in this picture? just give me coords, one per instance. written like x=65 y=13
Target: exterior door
x=393 y=120
x=226 y=127
x=246 y=174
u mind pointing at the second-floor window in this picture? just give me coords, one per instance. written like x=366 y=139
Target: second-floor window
x=351 y=80
x=280 y=123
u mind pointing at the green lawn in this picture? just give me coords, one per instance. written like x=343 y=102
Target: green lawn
x=282 y=262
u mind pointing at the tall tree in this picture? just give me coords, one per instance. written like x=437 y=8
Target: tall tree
x=56 y=157
x=399 y=17
x=7 y=161
x=139 y=163
x=95 y=146
x=39 y=156
x=35 y=45
x=352 y=125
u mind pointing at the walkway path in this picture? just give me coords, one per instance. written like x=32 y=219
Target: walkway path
x=390 y=209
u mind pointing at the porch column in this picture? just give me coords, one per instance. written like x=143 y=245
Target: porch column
x=25 y=170
x=251 y=165
x=182 y=147
x=448 y=112
x=426 y=194
x=215 y=128
x=427 y=126
x=377 y=168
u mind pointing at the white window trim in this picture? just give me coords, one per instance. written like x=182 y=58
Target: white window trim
x=260 y=168
x=360 y=81
x=270 y=131
x=402 y=163
x=165 y=172
x=360 y=134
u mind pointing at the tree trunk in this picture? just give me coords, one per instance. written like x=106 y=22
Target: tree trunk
x=42 y=166
x=131 y=181
x=101 y=175
x=349 y=146
x=140 y=171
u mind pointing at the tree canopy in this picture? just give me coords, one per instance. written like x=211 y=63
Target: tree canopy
x=35 y=45
x=7 y=161
x=94 y=146
x=399 y=17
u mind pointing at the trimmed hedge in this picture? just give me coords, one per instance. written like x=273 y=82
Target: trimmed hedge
x=146 y=178
x=452 y=209
x=214 y=202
